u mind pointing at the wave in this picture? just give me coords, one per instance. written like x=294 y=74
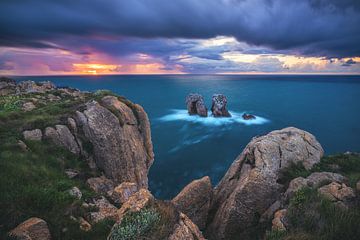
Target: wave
x=236 y=117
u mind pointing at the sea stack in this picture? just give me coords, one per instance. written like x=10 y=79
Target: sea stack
x=195 y=105
x=218 y=107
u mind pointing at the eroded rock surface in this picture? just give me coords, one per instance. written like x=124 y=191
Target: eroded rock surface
x=218 y=107
x=194 y=200
x=62 y=136
x=195 y=105
x=250 y=185
x=32 y=229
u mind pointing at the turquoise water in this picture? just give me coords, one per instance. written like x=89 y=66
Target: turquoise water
x=187 y=147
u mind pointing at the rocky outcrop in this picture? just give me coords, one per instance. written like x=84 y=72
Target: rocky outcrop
x=218 y=107
x=120 y=136
x=62 y=136
x=250 y=185
x=279 y=221
x=105 y=210
x=32 y=229
x=101 y=185
x=247 y=116
x=7 y=86
x=123 y=192
x=195 y=105
x=28 y=106
x=34 y=87
x=33 y=135
x=194 y=200
x=340 y=194
x=186 y=229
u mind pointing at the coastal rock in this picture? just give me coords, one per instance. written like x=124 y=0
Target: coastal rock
x=28 y=106
x=123 y=192
x=62 y=136
x=186 y=229
x=246 y=116
x=250 y=185
x=101 y=185
x=7 y=86
x=218 y=107
x=33 y=87
x=339 y=193
x=195 y=105
x=32 y=229
x=314 y=180
x=33 y=135
x=135 y=203
x=194 y=200
x=279 y=221
x=105 y=211
x=121 y=141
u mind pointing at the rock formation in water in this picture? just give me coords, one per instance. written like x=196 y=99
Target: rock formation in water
x=251 y=186
x=195 y=105
x=247 y=116
x=218 y=107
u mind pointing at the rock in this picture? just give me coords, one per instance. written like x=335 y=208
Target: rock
x=72 y=125
x=33 y=87
x=84 y=225
x=315 y=180
x=71 y=173
x=22 y=146
x=75 y=192
x=246 y=116
x=194 y=200
x=186 y=229
x=250 y=185
x=7 y=86
x=337 y=192
x=122 y=147
x=218 y=107
x=52 y=97
x=123 y=192
x=28 y=106
x=269 y=213
x=32 y=229
x=195 y=105
x=279 y=221
x=62 y=136
x=105 y=211
x=101 y=185
x=33 y=135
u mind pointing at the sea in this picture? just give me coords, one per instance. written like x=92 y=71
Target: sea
x=190 y=147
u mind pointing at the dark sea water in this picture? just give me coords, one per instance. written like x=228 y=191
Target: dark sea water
x=187 y=147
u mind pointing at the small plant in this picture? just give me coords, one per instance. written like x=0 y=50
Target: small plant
x=135 y=224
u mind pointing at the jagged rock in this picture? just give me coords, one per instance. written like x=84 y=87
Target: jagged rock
x=246 y=116
x=33 y=87
x=7 y=86
x=33 y=135
x=62 y=136
x=175 y=225
x=32 y=229
x=121 y=141
x=315 y=180
x=250 y=185
x=75 y=192
x=123 y=192
x=84 y=225
x=195 y=105
x=101 y=185
x=28 y=106
x=218 y=107
x=194 y=200
x=338 y=193
x=105 y=211
x=71 y=173
x=22 y=146
x=279 y=221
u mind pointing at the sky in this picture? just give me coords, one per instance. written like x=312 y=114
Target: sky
x=54 y=37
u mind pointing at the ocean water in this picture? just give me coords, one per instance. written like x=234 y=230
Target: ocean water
x=190 y=147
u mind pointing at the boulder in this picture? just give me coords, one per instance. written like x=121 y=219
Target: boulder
x=194 y=200
x=33 y=87
x=251 y=186
x=62 y=136
x=105 y=211
x=32 y=229
x=218 y=107
x=314 y=180
x=120 y=135
x=75 y=192
x=33 y=135
x=123 y=192
x=279 y=221
x=338 y=193
x=195 y=105
x=101 y=185
x=246 y=116
x=7 y=86
x=28 y=106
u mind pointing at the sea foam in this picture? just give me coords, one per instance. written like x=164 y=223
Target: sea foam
x=236 y=117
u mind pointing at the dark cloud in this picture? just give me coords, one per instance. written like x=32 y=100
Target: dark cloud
x=328 y=28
